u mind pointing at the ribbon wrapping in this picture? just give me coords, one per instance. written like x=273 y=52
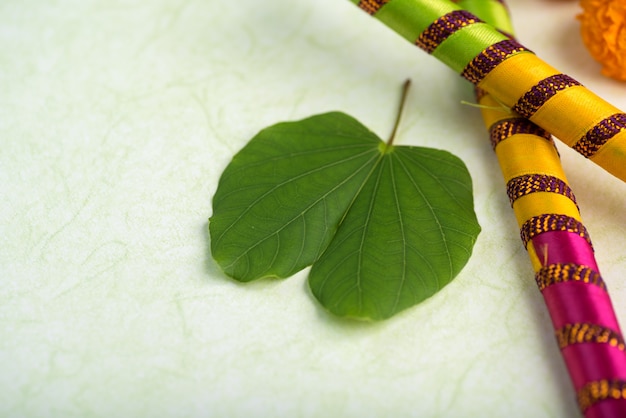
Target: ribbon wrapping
x=543 y=101
x=511 y=73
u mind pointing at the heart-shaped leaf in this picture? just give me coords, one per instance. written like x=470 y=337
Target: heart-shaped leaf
x=383 y=226
x=408 y=233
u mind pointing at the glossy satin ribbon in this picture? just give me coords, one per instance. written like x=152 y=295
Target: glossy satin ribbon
x=511 y=73
x=561 y=251
x=559 y=247
x=541 y=101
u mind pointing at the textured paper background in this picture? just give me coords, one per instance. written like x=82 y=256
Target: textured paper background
x=116 y=119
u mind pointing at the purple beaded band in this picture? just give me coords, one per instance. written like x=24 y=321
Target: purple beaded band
x=372 y=6
x=533 y=99
x=600 y=390
x=442 y=28
x=579 y=333
x=597 y=136
x=490 y=58
x=552 y=222
x=567 y=272
x=532 y=183
x=506 y=128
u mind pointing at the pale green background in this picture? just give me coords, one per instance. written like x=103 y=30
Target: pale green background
x=116 y=120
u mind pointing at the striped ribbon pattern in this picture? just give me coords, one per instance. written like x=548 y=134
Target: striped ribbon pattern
x=586 y=329
x=544 y=101
x=514 y=75
x=560 y=249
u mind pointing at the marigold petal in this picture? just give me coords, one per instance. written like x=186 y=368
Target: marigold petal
x=603 y=31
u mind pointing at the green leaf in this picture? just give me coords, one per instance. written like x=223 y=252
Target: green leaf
x=409 y=233
x=280 y=200
x=384 y=226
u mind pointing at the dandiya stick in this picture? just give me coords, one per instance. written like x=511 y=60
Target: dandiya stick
x=559 y=246
x=558 y=243
x=512 y=74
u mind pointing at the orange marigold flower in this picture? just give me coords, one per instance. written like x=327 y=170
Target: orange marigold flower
x=603 y=30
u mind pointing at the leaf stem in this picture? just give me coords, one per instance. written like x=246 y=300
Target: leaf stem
x=405 y=90
x=500 y=107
